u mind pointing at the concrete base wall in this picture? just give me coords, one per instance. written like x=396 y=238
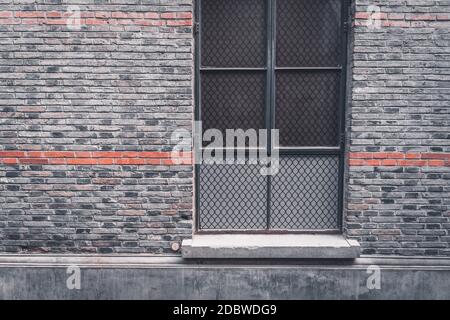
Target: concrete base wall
x=144 y=277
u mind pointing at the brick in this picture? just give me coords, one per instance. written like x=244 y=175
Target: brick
x=389 y=162
x=94 y=21
x=59 y=154
x=153 y=161
x=53 y=14
x=168 y=15
x=81 y=161
x=392 y=112
x=85 y=128
x=9 y=161
x=100 y=14
x=59 y=161
x=86 y=122
x=361 y=155
x=413 y=156
x=83 y=154
x=151 y=15
x=362 y=15
x=29 y=14
x=9 y=21
x=179 y=23
x=105 y=161
x=11 y=154
x=184 y=15
x=33 y=161
x=441 y=156
x=6 y=14
x=436 y=163
x=107 y=154
x=413 y=163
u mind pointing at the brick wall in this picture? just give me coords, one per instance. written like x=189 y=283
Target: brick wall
x=398 y=194
x=86 y=116
x=85 y=121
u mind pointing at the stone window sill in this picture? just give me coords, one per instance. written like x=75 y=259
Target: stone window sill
x=278 y=246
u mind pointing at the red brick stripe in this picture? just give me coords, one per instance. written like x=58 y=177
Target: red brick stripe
x=92 y=158
x=402 y=20
x=170 y=19
x=356 y=159
x=372 y=159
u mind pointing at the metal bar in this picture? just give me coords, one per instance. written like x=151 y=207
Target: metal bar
x=211 y=69
x=342 y=105
x=271 y=231
x=269 y=65
x=272 y=64
x=270 y=118
x=308 y=68
x=286 y=151
x=309 y=151
x=197 y=90
x=337 y=149
x=236 y=149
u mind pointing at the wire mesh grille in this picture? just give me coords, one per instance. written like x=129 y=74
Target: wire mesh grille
x=307 y=108
x=304 y=193
x=308 y=33
x=233 y=100
x=234 y=33
x=232 y=197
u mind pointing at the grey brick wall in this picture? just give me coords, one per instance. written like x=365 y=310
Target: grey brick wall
x=80 y=108
x=120 y=83
x=400 y=110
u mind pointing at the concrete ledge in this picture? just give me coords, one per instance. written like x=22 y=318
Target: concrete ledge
x=146 y=277
x=138 y=261
x=271 y=246
x=87 y=260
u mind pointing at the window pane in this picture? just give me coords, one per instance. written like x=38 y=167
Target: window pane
x=304 y=193
x=233 y=100
x=233 y=33
x=307 y=33
x=232 y=197
x=307 y=108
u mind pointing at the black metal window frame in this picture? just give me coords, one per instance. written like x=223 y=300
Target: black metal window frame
x=270 y=69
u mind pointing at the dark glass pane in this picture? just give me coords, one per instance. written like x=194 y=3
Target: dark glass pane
x=308 y=33
x=233 y=100
x=307 y=108
x=304 y=194
x=233 y=33
x=232 y=197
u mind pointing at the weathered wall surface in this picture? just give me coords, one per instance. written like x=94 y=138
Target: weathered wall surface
x=85 y=122
x=140 y=277
x=86 y=117
x=399 y=192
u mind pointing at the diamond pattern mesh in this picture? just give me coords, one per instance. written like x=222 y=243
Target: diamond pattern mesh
x=233 y=100
x=232 y=197
x=307 y=107
x=304 y=193
x=308 y=33
x=233 y=33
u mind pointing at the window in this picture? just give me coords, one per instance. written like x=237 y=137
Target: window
x=273 y=64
